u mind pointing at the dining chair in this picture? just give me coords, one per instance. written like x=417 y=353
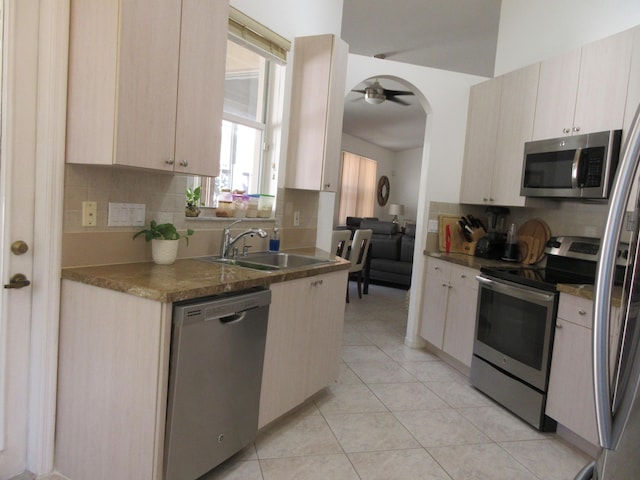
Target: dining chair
x=358 y=255
x=340 y=242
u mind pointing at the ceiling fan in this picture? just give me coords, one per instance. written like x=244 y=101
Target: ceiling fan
x=376 y=94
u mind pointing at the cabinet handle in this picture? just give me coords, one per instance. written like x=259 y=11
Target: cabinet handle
x=170 y=161
x=327 y=185
x=463 y=276
x=576 y=129
x=566 y=130
x=315 y=283
x=582 y=312
x=558 y=326
x=485 y=199
x=444 y=284
x=184 y=163
x=436 y=268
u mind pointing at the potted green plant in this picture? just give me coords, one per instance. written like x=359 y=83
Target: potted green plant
x=193 y=202
x=164 y=241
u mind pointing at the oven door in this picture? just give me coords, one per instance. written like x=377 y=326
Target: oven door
x=514 y=329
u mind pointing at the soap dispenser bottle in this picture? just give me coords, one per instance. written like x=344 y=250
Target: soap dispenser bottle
x=274 y=241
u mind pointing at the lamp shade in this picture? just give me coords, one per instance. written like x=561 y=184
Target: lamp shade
x=396 y=209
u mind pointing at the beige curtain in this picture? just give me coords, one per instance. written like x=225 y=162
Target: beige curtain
x=357 y=187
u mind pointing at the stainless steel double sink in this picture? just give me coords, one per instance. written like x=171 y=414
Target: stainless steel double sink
x=269 y=260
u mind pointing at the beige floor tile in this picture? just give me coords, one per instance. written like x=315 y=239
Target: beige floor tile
x=500 y=425
x=381 y=372
x=347 y=375
x=364 y=432
x=387 y=339
x=549 y=459
x=320 y=467
x=397 y=465
x=298 y=435
x=235 y=470
x=355 y=338
x=487 y=461
x=345 y=398
x=407 y=396
x=440 y=427
x=459 y=394
x=433 y=371
x=402 y=353
x=363 y=353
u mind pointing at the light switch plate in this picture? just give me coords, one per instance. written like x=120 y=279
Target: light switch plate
x=89 y=214
x=432 y=226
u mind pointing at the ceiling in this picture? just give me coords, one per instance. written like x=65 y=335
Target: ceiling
x=455 y=35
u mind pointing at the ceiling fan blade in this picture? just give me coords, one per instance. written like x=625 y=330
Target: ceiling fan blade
x=397 y=100
x=359 y=91
x=397 y=92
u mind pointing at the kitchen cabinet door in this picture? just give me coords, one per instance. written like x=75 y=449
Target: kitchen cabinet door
x=557 y=91
x=480 y=145
x=602 y=87
x=127 y=104
x=304 y=337
x=570 y=398
x=461 y=314
x=315 y=117
x=434 y=309
x=515 y=127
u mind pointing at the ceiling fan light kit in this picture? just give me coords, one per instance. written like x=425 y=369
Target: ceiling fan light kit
x=375 y=94
x=374 y=98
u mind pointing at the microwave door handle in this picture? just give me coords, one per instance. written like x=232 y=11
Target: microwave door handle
x=575 y=169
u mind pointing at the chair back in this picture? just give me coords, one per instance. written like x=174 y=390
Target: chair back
x=340 y=242
x=359 y=249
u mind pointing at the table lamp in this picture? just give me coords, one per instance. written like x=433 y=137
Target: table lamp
x=396 y=209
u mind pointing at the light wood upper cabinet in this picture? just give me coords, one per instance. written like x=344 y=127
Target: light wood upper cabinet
x=500 y=121
x=515 y=127
x=317 y=106
x=146 y=83
x=480 y=146
x=585 y=90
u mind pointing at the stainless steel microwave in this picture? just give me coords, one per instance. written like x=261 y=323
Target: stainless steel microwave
x=580 y=166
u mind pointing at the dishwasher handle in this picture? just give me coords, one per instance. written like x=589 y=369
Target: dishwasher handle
x=233 y=318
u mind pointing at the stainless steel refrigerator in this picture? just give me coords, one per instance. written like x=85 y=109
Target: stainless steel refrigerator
x=616 y=386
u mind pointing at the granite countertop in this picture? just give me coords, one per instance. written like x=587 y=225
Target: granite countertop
x=192 y=278
x=582 y=291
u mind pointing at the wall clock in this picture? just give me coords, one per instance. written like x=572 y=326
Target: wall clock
x=383 y=190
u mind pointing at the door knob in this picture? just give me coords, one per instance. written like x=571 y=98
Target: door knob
x=17 y=281
x=19 y=247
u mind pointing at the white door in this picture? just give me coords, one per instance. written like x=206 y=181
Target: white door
x=17 y=182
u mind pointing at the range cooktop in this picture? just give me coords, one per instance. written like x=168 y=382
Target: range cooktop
x=570 y=260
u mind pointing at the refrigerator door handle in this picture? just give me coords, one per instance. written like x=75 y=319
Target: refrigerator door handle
x=587 y=472
x=610 y=428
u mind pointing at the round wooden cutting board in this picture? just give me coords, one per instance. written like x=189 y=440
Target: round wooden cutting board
x=535 y=234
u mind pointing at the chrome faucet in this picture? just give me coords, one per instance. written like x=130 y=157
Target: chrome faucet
x=228 y=241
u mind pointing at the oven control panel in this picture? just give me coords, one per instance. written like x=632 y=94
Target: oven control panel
x=584 y=248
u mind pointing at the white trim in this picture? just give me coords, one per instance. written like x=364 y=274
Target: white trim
x=50 y=163
x=5 y=176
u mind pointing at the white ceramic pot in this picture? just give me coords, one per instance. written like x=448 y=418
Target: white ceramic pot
x=164 y=252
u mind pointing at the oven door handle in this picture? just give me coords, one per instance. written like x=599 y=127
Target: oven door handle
x=516 y=291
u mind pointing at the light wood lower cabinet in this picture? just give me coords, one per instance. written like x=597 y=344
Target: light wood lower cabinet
x=449 y=312
x=114 y=370
x=570 y=398
x=112 y=384
x=304 y=337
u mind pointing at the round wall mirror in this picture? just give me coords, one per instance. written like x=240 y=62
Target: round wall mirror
x=383 y=190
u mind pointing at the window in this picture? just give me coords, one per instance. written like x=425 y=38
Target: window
x=357 y=187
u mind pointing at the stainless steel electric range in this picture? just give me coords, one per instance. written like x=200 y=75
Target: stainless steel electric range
x=515 y=325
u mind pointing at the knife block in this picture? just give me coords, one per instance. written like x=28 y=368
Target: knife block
x=469 y=248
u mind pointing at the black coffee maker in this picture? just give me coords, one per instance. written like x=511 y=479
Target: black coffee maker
x=493 y=243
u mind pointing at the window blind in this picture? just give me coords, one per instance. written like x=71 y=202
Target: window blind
x=254 y=35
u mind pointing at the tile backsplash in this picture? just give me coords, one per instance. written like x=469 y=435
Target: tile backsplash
x=164 y=197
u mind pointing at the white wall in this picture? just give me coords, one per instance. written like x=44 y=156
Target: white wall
x=294 y=18
x=535 y=30
x=405 y=176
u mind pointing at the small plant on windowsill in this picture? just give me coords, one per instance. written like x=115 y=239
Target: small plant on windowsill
x=164 y=241
x=193 y=202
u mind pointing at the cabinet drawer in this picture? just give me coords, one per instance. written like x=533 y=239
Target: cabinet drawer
x=464 y=277
x=576 y=310
x=438 y=269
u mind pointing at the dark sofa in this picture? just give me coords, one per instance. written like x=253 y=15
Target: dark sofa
x=391 y=259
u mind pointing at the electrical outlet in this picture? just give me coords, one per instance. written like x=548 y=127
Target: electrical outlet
x=89 y=214
x=432 y=226
x=296 y=218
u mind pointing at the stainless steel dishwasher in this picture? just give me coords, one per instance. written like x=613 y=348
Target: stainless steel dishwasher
x=215 y=375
